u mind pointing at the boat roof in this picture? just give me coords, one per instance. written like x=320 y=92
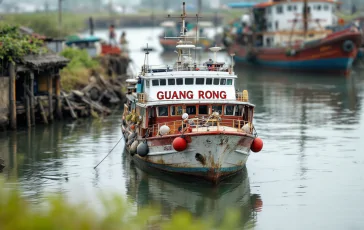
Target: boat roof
x=240 y=5
x=77 y=39
x=275 y=2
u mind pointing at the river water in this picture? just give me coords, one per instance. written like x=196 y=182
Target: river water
x=309 y=174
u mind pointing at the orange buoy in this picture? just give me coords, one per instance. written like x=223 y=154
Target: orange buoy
x=179 y=144
x=132 y=127
x=257 y=145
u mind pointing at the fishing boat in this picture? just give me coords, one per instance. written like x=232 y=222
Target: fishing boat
x=187 y=118
x=171 y=29
x=284 y=38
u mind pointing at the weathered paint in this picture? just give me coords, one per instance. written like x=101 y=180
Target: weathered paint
x=222 y=154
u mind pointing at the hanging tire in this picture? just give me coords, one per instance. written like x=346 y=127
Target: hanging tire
x=348 y=46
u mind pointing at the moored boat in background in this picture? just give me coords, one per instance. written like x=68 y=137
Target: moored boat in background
x=285 y=39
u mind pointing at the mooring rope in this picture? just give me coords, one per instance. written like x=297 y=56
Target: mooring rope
x=109 y=152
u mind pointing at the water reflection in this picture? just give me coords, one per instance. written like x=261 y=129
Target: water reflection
x=202 y=200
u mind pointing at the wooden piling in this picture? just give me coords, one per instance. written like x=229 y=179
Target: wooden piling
x=32 y=100
x=26 y=102
x=42 y=112
x=73 y=114
x=12 y=96
x=50 y=94
x=58 y=96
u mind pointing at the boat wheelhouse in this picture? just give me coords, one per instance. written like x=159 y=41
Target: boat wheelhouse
x=188 y=118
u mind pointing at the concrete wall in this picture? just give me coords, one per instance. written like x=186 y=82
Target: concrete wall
x=4 y=99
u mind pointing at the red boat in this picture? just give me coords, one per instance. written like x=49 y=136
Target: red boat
x=310 y=49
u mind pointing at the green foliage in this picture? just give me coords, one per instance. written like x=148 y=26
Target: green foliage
x=76 y=74
x=47 y=23
x=115 y=213
x=15 y=45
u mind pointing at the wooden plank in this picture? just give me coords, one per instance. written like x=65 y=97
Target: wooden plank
x=73 y=114
x=42 y=112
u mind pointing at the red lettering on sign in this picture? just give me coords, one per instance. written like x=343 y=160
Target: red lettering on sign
x=190 y=95
x=160 y=95
x=172 y=95
x=201 y=94
x=223 y=95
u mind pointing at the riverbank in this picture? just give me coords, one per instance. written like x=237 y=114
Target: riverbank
x=38 y=86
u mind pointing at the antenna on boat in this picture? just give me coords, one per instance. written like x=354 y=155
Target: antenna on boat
x=232 y=63
x=215 y=49
x=146 y=61
x=197 y=29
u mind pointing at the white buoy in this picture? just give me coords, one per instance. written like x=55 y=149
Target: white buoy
x=185 y=116
x=164 y=129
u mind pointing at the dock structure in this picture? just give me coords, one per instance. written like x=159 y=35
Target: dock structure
x=30 y=87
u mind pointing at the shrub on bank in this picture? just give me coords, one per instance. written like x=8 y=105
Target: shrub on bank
x=115 y=213
x=78 y=71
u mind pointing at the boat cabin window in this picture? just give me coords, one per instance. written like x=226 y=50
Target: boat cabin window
x=229 y=82
x=289 y=8
x=203 y=110
x=217 y=108
x=179 y=81
x=245 y=113
x=208 y=81
x=147 y=83
x=326 y=7
x=188 y=81
x=155 y=82
x=171 y=81
x=176 y=110
x=229 y=110
x=239 y=110
x=200 y=81
x=162 y=82
x=222 y=81
x=191 y=109
x=162 y=111
x=294 y=8
x=216 y=81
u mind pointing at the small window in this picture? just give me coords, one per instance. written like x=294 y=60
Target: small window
x=294 y=8
x=326 y=7
x=176 y=110
x=279 y=10
x=289 y=8
x=269 y=10
x=229 y=110
x=208 y=81
x=239 y=110
x=217 y=108
x=200 y=81
x=318 y=7
x=179 y=81
x=191 y=109
x=216 y=81
x=155 y=82
x=277 y=25
x=162 y=111
x=229 y=82
x=189 y=81
x=222 y=81
x=147 y=83
x=171 y=81
x=162 y=82
x=203 y=109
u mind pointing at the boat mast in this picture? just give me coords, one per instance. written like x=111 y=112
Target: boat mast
x=305 y=19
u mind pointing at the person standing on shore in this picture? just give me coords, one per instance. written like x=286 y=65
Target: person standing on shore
x=112 y=35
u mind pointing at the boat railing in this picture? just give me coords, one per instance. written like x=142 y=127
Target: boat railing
x=199 y=125
x=217 y=67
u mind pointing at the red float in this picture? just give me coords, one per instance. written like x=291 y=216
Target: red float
x=179 y=144
x=257 y=145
